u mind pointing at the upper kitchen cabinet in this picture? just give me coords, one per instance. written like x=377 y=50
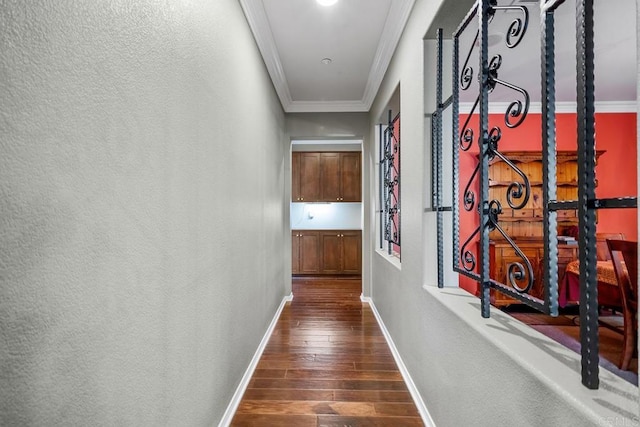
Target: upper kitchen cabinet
x=326 y=177
x=305 y=177
x=340 y=177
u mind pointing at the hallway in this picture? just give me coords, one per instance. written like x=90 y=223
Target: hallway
x=327 y=364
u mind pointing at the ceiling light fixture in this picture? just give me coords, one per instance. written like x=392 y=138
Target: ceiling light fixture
x=326 y=61
x=327 y=2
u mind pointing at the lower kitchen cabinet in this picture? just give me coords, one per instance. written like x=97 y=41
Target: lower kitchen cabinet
x=352 y=252
x=337 y=252
x=305 y=256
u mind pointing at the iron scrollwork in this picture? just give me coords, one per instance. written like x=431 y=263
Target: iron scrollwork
x=519 y=274
x=517 y=196
x=517 y=109
x=391 y=171
x=467 y=258
x=518 y=26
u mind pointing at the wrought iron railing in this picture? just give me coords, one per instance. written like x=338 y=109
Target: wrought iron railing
x=471 y=258
x=520 y=274
x=390 y=165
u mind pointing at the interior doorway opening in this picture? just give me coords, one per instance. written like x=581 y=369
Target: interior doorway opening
x=326 y=210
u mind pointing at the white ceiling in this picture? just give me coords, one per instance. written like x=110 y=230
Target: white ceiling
x=360 y=37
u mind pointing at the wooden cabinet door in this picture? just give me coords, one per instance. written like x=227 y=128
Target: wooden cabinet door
x=295 y=252
x=326 y=177
x=331 y=252
x=350 y=178
x=330 y=177
x=351 y=252
x=295 y=177
x=309 y=177
x=326 y=252
x=309 y=252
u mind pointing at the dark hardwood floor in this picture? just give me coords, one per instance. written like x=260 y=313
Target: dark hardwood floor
x=327 y=364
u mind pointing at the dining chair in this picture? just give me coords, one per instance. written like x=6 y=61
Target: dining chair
x=602 y=250
x=627 y=275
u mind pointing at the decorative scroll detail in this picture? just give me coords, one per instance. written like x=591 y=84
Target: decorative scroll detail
x=467 y=257
x=391 y=170
x=469 y=195
x=466 y=136
x=516 y=272
x=516 y=190
x=494 y=137
x=518 y=27
x=518 y=109
x=495 y=210
x=466 y=77
x=517 y=195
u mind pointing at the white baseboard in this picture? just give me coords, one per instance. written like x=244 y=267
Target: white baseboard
x=422 y=408
x=244 y=383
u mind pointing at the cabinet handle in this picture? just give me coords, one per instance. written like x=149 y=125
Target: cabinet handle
x=337 y=198
x=301 y=198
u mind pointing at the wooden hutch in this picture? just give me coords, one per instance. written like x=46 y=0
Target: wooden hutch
x=525 y=226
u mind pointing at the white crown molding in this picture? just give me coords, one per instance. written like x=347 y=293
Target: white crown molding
x=261 y=29
x=561 y=107
x=326 y=107
x=391 y=33
x=392 y=30
x=616 y=107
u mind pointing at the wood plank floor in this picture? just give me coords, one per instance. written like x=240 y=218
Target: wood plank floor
x=327 y=364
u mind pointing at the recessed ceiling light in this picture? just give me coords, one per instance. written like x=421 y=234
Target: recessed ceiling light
x=326 y=61
x=327 y=2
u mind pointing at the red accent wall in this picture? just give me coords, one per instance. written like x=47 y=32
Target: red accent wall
x=616 y=170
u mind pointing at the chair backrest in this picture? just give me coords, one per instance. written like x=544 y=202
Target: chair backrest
x=627 y=274
x=602 y=251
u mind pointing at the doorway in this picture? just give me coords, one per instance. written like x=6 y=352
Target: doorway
x=326 y=213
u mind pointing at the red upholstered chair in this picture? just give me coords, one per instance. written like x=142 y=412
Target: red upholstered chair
x=627 y=276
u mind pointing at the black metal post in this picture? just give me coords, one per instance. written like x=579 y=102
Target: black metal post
x=586 y=192
x=483 y=141
x=381 y=181
x=550 y=221
x=438 y=161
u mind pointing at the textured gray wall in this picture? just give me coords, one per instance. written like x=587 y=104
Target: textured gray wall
x=141 y=206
